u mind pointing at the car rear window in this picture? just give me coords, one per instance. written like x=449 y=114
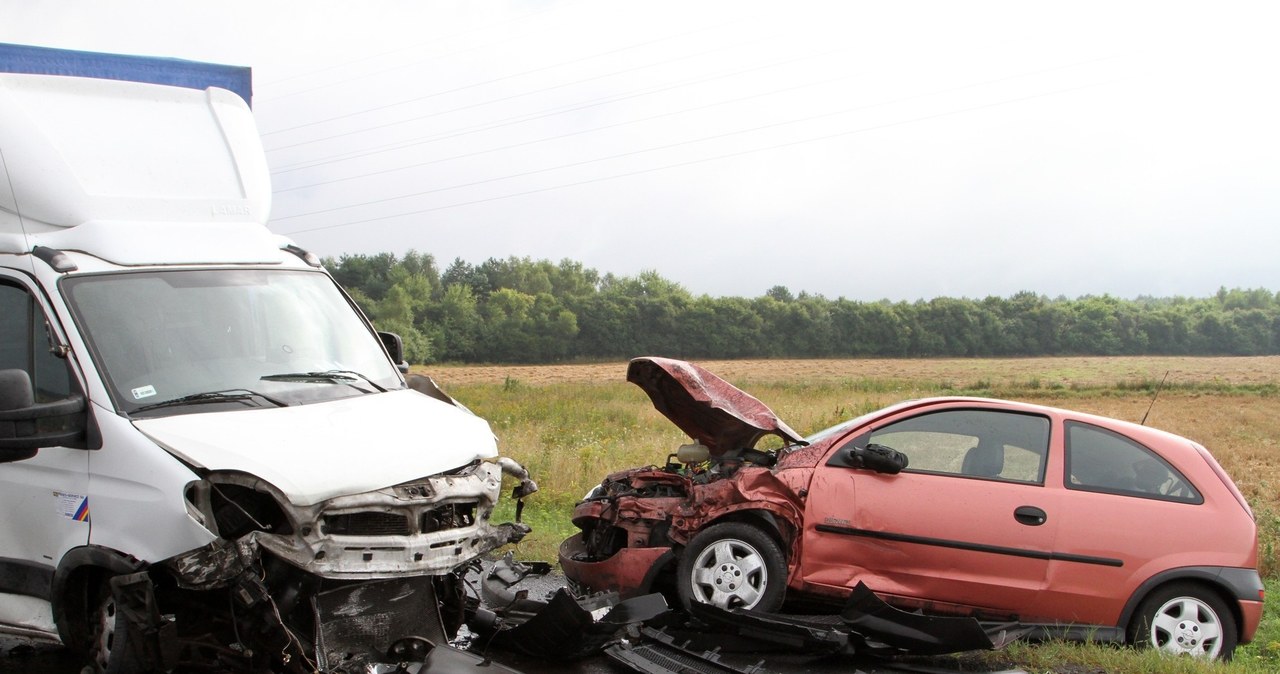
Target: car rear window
x=1104 y=461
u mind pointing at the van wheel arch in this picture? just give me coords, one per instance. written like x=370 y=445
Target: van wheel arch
x=78 y=584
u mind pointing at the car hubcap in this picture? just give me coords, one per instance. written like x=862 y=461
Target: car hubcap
x=1187 y=626
x=729 y=574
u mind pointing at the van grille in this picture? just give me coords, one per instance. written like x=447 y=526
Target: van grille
x=449 y=516
x=367 y=524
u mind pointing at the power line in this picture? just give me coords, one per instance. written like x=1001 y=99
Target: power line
x=564 y=135
x=669 y=145
x=729 y=155
x=389 y=52
x=494 y=80
x=541 y=114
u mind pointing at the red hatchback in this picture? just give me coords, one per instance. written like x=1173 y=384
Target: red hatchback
x=996 y=509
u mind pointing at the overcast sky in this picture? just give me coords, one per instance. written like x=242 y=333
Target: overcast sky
x=898 y=150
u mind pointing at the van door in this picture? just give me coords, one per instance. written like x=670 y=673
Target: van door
x=45 y=498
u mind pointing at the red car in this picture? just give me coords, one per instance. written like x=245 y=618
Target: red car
x=965 y=506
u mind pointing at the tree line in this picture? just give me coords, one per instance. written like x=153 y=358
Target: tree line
x=520 y=310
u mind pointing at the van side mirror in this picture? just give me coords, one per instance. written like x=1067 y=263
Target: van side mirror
x=20 y=435
x=395 y=348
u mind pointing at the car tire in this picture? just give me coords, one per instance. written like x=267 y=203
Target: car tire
x=733 y=565
x=1185 y=619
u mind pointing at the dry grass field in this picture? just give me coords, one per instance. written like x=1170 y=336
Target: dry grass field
x=1068 y=372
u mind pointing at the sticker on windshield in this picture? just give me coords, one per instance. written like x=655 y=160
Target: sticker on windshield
x=144 y=392
x=72 y=506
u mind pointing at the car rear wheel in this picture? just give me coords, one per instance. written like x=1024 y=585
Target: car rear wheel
x=733 y=565
x=1185 y=619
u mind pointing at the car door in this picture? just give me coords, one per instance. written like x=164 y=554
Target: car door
x=44 y=498
x=967 y=523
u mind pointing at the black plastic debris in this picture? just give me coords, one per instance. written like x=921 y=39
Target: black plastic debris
x=560 y=628
x=656 y=652
x=866 y=625
x=815 y=634
x=420 y=656
x=915 y=633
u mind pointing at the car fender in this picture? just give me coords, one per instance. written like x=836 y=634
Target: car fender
x=748 y=489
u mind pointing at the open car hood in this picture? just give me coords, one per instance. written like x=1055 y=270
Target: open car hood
x=711 y=410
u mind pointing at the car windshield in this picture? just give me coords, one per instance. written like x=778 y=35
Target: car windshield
x=837 y=429
x=174 y=342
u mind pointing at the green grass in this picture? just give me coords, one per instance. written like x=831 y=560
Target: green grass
x=569 y=435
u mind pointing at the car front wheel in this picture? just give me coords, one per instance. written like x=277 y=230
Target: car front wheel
x=733 y=565
x=1185 y=619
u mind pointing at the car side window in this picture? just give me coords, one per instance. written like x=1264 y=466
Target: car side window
x=986 y=444
x=1104 y=461
x=24 y=345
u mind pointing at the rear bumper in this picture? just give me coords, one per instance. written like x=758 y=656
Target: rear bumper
x=1251 y=611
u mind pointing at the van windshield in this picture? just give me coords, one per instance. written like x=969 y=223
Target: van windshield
x=262 y=337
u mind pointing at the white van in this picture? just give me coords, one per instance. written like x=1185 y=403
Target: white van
x=209 y=455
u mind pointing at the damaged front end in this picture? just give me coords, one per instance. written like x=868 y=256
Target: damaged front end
x=335 y=586
x=633 y=521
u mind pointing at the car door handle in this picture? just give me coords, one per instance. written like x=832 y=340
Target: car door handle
x=1030 y=516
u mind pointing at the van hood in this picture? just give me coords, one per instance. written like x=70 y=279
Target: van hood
x=316 y=452
x=708 y=408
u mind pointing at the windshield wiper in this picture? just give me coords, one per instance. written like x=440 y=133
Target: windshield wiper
x=327 y=376
x=229 y=395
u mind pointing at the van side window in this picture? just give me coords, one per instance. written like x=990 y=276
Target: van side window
x=25 y=342
x=1102 y=461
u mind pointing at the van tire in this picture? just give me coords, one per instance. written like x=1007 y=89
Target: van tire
x=106 y=630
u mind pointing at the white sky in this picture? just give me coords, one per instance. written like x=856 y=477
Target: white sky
x=898 y=150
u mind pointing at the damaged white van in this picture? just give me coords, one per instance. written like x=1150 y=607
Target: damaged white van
x=209 y=455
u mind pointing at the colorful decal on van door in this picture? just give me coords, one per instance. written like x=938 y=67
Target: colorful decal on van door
x=72 y=506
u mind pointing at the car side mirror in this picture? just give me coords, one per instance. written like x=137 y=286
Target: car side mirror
x=20 y=435
x=878 y=458
x=395 y=348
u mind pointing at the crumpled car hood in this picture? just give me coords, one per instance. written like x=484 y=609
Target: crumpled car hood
x=316 y=452
x=708 y=408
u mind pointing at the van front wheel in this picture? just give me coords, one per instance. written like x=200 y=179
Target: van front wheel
x=107 y=632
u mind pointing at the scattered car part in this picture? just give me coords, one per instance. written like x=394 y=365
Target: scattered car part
x=916 y=633
x=561 y=628
x=655 y=652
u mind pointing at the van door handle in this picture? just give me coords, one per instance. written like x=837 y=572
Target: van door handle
x=1030 y=516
